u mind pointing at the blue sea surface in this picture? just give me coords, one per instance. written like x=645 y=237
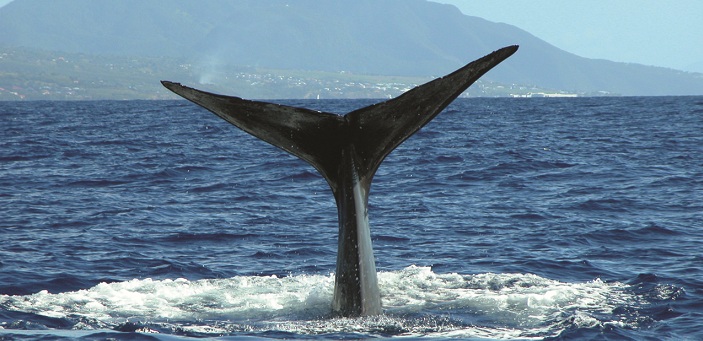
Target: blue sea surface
x=528 y=219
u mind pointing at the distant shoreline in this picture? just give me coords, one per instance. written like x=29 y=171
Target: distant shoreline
x=30 y=74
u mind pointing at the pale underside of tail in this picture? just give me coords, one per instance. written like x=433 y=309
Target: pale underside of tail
x=347 y=150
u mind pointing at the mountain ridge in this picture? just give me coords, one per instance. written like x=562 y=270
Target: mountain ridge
x=384 y=37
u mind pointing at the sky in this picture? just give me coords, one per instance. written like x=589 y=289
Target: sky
x=666 y=33
x=651 y=32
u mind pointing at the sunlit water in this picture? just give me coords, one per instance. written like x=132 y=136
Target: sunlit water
x=502 y=219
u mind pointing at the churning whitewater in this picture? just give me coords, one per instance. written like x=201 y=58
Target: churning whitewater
x=521 y=305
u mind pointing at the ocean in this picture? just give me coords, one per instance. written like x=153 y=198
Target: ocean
x=503 y=218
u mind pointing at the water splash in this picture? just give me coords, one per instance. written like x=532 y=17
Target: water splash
x=416 y=300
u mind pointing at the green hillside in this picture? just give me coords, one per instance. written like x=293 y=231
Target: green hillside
x=410 y=38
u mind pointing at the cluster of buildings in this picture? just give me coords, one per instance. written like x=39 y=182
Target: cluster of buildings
x=44 y=92
x=543 y=94
x=45 y=76
x=343 y=85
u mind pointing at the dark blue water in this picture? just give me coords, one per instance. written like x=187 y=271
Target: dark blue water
x=503 y=218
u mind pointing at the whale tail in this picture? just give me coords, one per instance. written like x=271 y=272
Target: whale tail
x=347 y=150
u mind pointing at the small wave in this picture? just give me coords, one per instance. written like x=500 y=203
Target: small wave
x=449 y=159
x=306 y=252
x=651 y=232
x=654 y=229
x=468 y=176
x=20 y=158
x=97 y=183
x=215 y=237
x=387 y=238
x=674 y=180
x=532 y=165
x=209 y=188
x=179 y=172
x=265 y=255
x=110 y=142
x=304 y=175
x=615 y=205
x=527 y=216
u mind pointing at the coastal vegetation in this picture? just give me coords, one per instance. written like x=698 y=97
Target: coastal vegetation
x=30 y=74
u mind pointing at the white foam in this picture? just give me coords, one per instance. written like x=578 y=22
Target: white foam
x=416 y=300
x=244 y=297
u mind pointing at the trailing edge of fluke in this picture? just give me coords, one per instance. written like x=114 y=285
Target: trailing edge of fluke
x=347 y=151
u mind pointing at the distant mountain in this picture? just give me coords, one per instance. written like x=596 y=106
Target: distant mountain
x=384 y=37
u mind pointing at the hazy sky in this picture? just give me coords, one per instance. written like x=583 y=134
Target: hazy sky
x=652 y=32
x=665 y=33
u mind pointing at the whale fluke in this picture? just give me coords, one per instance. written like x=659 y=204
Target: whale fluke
x=347 y=150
